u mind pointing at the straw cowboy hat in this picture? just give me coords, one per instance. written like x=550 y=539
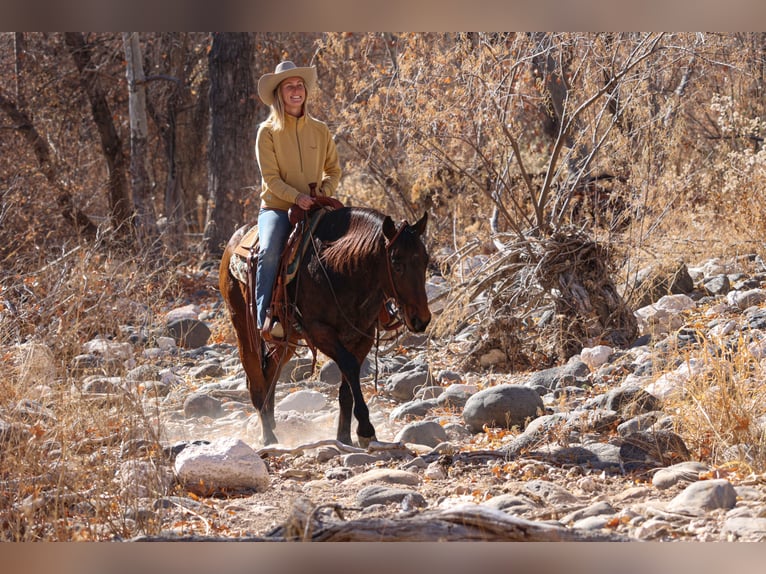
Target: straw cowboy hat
x=269 y=82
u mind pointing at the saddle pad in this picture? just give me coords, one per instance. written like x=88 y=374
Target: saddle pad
x=238 y=268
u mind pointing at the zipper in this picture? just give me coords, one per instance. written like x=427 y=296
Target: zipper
x=298 y=140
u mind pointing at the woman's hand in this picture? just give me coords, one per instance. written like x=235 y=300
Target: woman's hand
x=304 y=201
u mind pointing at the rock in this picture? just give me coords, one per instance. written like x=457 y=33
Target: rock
x=511 y=503
x=701 y=497
x=386 y=475
x=549 y=492
x=402 y=386
x=376 y=494
x=299 y=369
x=629 y=401
x=227 y=463
x=549 y=379
x=688 y=471
x=188 y=333
x=598 y=509
x=209 y=370
x=447 y=376
x=83 y=363
x=456 y=395
x=502 y=405
x=664 y=315
x=745 y=299
x=492 y=358
x=429 y=433
x=190 y=311
x=359 y=459
x=98 y=385
x=644 y=450
x=744 y=529
x=303 y=401
x=202 y=405
x=658 y=280
x=330 y=372
x=596 y=356
x=431 y=392
x=143 y=373
x=109 y=349
x=416 y=408
x=717 y=285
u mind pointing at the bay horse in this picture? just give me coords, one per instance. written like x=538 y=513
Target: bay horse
x=357 y=258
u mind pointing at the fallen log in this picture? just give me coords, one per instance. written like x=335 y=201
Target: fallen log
x=468 y=522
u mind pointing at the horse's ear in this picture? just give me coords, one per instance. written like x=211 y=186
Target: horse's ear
x=420 y=225
x=389 y=228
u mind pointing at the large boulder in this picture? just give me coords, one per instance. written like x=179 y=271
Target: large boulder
x=504 y=406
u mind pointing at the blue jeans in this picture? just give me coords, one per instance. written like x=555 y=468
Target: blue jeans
x=273 y=230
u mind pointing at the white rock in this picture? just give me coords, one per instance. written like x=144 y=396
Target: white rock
x=674 y=381
x=745 y=299
x=675 y=303
x=304 y=401
x=166 y=343
x=596 y=356
x=224 y=463
x=701 y=497
x=186 y=312
x=109 y=349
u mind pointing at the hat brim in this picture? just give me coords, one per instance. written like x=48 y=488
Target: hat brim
x=269 y=82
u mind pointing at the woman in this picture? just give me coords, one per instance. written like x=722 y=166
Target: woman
x=293 y=150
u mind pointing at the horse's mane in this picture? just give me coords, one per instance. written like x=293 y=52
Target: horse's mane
x=362 y=239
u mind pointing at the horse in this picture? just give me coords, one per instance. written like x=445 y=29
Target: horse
x=356 y=260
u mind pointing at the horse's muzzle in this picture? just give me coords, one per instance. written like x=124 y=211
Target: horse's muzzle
x=418 y=324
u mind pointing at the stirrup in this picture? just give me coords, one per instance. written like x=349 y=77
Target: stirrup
x=272 y=330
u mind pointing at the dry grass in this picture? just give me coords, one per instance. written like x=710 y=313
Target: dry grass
x=721 y=408
x=62 y=451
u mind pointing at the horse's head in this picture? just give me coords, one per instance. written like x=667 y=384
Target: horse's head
x=407 y=261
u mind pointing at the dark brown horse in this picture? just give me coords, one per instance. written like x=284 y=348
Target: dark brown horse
x=357 y=259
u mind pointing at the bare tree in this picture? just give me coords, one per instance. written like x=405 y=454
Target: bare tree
x=231 y=156
x=46 y=159
x=145 y=218
x=121 y=208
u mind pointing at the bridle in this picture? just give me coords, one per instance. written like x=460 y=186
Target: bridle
x=394 y=292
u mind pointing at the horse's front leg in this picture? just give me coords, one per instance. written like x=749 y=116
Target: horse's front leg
x=350 y=398
x=346 y=404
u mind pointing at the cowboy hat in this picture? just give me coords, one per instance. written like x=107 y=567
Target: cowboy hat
x=269 y=82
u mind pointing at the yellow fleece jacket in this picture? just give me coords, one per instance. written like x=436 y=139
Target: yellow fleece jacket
x=302 y=153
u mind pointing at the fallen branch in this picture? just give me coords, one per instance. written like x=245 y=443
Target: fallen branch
x=467 y=522
x=374 y=446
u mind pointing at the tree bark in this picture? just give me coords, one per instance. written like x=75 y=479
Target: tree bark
x=145 y=219
x=119 y=195
x=231 y=155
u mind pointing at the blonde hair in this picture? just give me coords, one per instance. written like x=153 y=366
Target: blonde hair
x=276 y=119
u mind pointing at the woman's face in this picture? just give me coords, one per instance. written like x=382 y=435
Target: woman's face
x=293 y=92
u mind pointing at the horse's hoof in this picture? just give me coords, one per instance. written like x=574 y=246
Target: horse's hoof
x=364 y=441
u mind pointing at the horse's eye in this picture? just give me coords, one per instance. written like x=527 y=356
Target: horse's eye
x=397 y=266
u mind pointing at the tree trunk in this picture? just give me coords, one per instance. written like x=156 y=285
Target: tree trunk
x=47 y=164
x=231 y=155
x=119 y=194
x=146 y=219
